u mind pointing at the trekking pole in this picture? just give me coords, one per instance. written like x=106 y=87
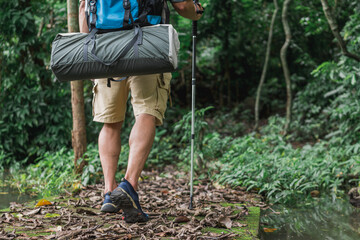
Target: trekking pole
x=193 y=84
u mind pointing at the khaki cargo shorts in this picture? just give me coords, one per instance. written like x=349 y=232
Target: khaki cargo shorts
x=149 y=94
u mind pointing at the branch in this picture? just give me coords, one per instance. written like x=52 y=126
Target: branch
x=263 y=74
x=335 y=29
x=41 y=27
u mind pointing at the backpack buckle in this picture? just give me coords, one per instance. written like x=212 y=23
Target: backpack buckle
x=126 y=4
x=93 y=6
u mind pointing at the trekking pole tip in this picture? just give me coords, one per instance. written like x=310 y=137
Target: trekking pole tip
x=191 y=203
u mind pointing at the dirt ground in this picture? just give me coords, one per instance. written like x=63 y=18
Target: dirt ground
x=219 y=213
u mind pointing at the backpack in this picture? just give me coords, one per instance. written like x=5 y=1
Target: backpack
x=113 y=15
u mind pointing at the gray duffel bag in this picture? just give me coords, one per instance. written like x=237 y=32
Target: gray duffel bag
x=139 y=51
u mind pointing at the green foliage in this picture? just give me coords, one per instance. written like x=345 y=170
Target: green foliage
x=329 y=105
x=92 y=172
x=182 y=135
x=30 y=120
x=53 y=173
x=50 y=174
x=163 y=151
x=35 y=111
x=5 y=160
x=283 y=174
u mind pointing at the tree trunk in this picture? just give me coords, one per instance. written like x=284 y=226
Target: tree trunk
x=263 y=74
x=285 y=65
x=77 y=96
x=335 y=29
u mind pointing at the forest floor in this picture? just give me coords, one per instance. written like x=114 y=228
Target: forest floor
x=218 y=213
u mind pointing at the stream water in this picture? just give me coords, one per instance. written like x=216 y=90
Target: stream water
x=325 y=219
x=8 y=194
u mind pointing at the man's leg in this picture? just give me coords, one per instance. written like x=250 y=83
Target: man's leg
x=125 y=195
x=109 y=150
x=149 y=96
x=140 y=142
x=109 y=107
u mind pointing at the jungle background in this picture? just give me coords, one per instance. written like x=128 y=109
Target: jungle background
x=287 y=160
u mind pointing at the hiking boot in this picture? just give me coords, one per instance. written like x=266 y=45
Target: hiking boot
x=107 y=205
x=127 y=199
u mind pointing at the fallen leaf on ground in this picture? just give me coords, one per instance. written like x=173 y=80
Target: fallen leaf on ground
x=181 y=219
x=225 y=222
x=51 y=215
x=237 y=224
x=32 y=212
x=43 y=202
x=85 y=211
x=54 y=229
x=269 y=230
x=164 y=199
x=165 y=192
x=95 y=198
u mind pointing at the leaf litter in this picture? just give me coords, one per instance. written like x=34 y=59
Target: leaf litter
x=165 y=199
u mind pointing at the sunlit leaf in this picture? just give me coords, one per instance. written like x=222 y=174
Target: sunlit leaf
x=51 y=215
x=269 y=230
x=43 y=202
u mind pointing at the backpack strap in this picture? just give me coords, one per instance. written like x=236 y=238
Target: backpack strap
x=93 y=15
x=165 y=18
x=127 y=14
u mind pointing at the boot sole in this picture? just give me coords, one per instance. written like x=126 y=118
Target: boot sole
x=123 y=201
x=109 y=208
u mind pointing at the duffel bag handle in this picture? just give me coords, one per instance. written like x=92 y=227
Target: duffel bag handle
x=136 y=40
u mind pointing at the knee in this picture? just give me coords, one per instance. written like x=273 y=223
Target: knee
x=144 y=117
x=112 y=126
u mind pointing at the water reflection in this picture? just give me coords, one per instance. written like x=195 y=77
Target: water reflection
x=8 y=194
x=324 y=219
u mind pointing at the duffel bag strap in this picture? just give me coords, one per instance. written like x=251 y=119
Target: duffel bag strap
x=139 y=39
x=88 y=39
x=135 y=41
x=111 y=79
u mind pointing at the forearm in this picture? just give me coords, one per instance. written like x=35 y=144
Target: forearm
x=187 y=9
x=82 y=18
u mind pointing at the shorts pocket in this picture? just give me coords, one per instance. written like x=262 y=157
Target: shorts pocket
x=163 y=91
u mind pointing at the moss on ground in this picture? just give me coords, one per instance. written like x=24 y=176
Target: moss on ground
x=251 y=224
